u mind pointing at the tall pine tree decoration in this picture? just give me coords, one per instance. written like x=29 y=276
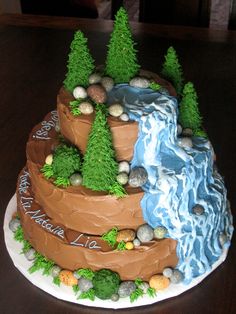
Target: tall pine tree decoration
x=80 y=63
x=100 y=168
x=189 y=116
x=121 y=62
x=172 y=70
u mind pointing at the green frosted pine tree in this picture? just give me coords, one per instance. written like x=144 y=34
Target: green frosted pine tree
x=121 y=62
x=80 y=63
x=172 y=70
x=189 y=116
x=100 y=168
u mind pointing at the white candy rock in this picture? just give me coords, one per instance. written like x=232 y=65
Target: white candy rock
x=49 y=159
x=86 y=108
x=107 y=82
x=179 y=129
x=122 y=178
x=124 y=166
x=124 y=117
x=185 y=142
x=140 y=82
x=115 y=110
x=94 y=78
x=79 y=92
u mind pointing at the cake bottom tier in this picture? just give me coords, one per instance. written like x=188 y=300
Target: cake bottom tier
x=51 y=240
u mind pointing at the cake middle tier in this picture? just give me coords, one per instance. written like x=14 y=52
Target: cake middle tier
x=79 y=208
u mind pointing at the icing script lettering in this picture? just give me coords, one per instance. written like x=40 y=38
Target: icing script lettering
x=88 y=244
x=26 y=202
x=46 y=126
x=36 y=215
x=24 y=182
x=41 y=219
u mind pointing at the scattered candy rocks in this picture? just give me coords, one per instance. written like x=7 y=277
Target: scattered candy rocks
x=138 y=176
x=115 y=110
x=49 y=159
x=140 y=82
x=107 y=82
x=122 y=178
x=79 y=92
x=95 y=78
x=97 y=93
x=86 y=108
x=67 y=278
x=145 y=233
x=125 y=235
x=124 y=166
x=159 y=282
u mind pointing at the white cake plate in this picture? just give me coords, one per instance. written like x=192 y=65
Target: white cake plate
x=66 y=293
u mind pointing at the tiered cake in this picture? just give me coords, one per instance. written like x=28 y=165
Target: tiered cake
x=162 y=218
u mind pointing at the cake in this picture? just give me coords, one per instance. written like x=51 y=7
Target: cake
x=120 y=196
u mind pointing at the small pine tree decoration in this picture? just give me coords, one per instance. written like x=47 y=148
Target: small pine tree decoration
x=172 y=70
x=189 y=116
x=80 y=63
x=99 y=169
x=121 y=62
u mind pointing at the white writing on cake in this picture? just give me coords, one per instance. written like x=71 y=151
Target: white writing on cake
x=24 y=182
x=41 y=219
x=46 y=126
x=88 y=244
x=26 y=202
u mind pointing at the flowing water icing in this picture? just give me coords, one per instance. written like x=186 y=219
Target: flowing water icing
x=178 y=179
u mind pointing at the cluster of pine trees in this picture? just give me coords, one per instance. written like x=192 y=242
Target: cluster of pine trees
x=100 y=167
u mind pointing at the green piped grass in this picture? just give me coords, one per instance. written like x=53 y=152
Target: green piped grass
x=60 y=181
x=155 y=86
x=57 y=281
x=117 y=190
x=110 y=236
x=151 y=292
x=86 y=273
x=47 y=171
x=41 y=263
x=90 y=294
x=121 y=246
x=136 y=294
x=200 y=133
x=74 y=107
x=19 y=237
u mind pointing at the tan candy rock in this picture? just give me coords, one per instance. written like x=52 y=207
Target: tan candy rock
x=68 y=278
x=97 y=93
x=86 y=108
x=115 y=110
x=49 y=159
x=159 y=282
x=125 y=235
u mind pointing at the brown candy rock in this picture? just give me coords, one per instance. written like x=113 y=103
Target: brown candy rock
x=97 y=93
x=126 y=235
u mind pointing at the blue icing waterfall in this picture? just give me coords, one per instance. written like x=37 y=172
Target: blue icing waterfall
x=178 y=179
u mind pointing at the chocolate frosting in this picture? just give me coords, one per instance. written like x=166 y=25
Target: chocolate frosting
x=141 y=262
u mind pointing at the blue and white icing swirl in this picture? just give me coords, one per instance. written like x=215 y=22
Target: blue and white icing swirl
x=178 y=179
